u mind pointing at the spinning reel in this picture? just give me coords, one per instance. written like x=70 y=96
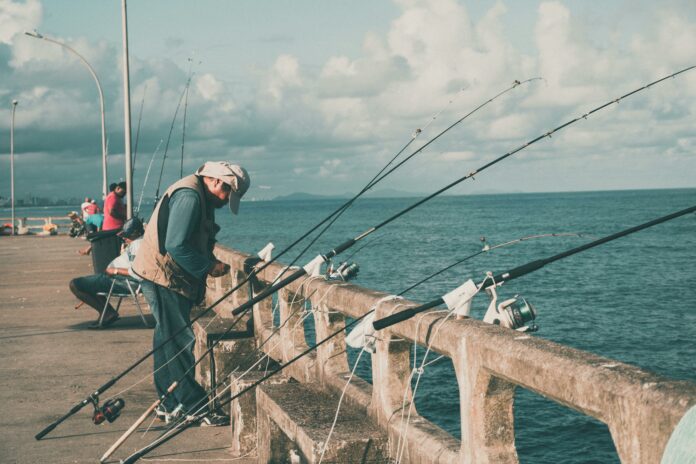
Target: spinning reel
x=514 y=313
x=109 y=411
x=345 y=271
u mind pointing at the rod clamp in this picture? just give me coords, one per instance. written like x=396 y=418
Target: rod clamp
x=313 y=268
x=266 y=253
x=459 y=300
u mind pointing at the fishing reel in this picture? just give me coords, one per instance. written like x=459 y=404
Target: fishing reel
x=109 y=411
x=514 y=313
x=344 y=272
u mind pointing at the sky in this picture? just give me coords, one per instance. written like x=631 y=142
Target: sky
x=317 y=96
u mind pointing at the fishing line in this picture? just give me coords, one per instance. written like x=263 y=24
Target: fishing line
x=367 y=245
x=211 y=395
x=342 y=209
x=486 y=248
x=349 y=243
x=381 y=175
x=169 y=137
x=94 y=396
x=183 y=124
x=147 y=175
x=493 y=281
x=377 y=179
x=403 y=423
x=340 y=401
x=276 y=331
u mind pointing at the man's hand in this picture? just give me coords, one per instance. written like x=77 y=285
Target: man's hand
x=218 y=269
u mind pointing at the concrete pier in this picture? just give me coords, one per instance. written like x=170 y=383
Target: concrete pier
x=49 y=361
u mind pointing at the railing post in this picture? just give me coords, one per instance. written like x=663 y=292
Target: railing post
x=291 y=339
x=391 y=368
x=331 y=357
x=486 y=409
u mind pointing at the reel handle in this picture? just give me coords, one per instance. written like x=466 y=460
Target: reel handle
x=405 y=314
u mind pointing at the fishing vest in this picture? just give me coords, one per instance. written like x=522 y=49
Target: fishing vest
x=152 y=261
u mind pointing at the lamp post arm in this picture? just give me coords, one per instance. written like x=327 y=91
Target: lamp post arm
x=101 y=101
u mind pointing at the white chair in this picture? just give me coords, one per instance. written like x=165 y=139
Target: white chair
x=133 y=291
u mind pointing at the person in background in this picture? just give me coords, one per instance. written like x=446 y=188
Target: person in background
x=77 y=228
x=92 y=208
x=94 y=222
x=114 y=209
x=83 y=208
x=174 y=261
x=86 y=288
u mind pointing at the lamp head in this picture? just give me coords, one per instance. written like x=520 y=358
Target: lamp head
x=14 y=102
x=34 y=34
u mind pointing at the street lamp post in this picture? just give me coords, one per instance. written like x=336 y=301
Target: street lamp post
x=36 y=35
x=127 y=112
x=12 y=199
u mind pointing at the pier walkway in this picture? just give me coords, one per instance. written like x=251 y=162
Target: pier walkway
x=49 y=361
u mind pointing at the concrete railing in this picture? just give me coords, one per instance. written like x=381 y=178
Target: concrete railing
x=25 y=225
x=640 y=409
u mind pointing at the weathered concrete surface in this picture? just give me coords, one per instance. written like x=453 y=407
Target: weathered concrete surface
x=299 y=416
x=50 y=361
x=641 y=409
x=243 y=410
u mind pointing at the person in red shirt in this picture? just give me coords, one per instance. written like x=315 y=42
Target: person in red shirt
x=114 y=209
x=91 y=208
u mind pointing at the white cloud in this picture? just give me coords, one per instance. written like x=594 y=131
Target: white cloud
x=210 y=88
x=329 y=122
x=16 y=18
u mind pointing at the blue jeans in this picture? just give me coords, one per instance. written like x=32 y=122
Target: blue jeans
x=174 y=360
x=86 y=289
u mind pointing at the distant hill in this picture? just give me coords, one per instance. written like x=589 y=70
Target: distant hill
x=384 y=193
x=308 y=196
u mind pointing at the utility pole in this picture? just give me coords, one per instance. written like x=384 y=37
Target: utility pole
x=12 y=200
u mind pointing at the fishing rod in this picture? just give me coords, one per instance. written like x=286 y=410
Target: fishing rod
x=313 y=267
x=345 y=267
x=499 y=279
x=147 y=175
x=93 y=398
x=381 y=175
x=344 y=271
x=183 y=134
x=487 y=248
x=380 y=324
x=171 y=129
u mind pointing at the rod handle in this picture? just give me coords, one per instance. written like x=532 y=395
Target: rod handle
x=341 y=248
x=269 y=291
x=405 y=314
x=55 y=424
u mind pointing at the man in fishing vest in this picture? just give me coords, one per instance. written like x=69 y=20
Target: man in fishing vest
x=174 y=260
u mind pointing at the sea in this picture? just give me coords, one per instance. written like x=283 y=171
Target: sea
x=632 y=300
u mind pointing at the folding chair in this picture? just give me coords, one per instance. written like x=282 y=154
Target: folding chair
x=133 y=291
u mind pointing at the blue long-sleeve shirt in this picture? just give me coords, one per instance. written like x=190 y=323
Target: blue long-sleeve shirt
x=184 y=218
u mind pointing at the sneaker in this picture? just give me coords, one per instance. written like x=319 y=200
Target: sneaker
x=165 y=416
x=215 y=419
x=161 y=413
